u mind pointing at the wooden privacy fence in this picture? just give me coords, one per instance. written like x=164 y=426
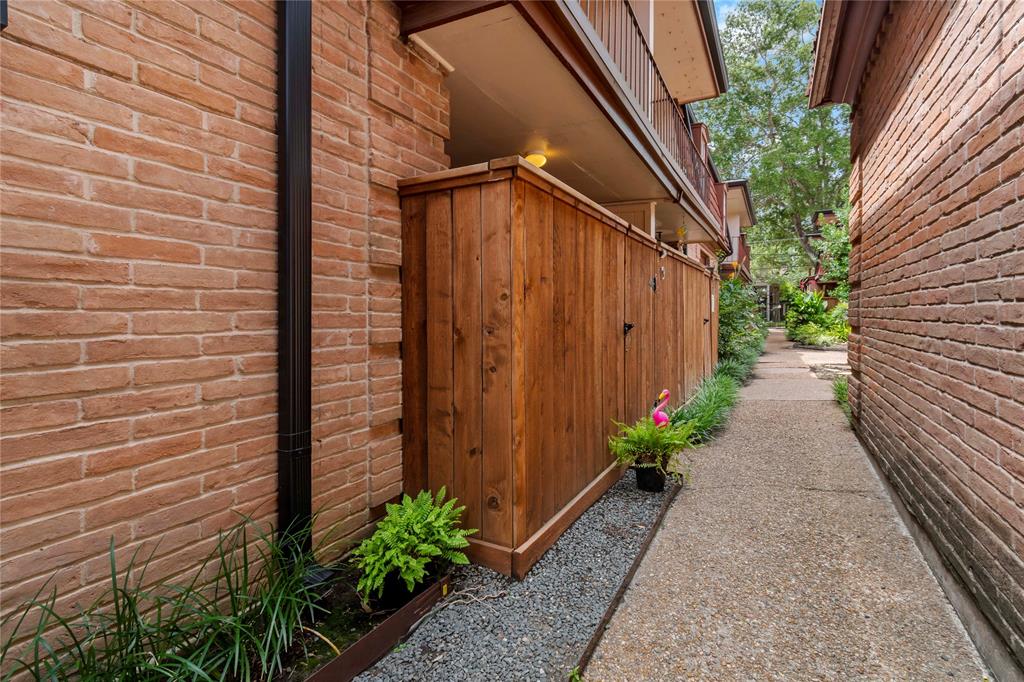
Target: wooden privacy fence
x=533 y=318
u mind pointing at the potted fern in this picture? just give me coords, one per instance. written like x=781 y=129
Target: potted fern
x=417 y=539
x=649 y=449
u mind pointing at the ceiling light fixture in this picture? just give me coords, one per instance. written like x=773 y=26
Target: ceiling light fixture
x=536 y=158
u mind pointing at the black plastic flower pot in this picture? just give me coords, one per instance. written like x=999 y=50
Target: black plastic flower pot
x=650 y=479
x=395 y=593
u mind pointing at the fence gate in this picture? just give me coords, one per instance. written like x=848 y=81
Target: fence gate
x=640 y=286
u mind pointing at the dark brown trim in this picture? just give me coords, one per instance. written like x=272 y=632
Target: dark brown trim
x=426 y=14
x=709 y=22
x=555 y=25
x=295 y=256
x=528 y=553
x=375 y=644
x=846 y=38
x=745 y=186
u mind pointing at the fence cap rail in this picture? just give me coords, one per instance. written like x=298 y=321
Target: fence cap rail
x=508 y=167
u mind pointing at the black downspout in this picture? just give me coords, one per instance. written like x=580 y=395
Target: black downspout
x=294 y=183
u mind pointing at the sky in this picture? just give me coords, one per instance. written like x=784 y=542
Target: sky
x=722 y=8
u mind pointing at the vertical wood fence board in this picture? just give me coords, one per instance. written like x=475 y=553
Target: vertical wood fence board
x=612 y=366
x=468 y=352
x=596 y=405
x=584 y=395
x=496 y=288
x=414 y=344
x=440 y=384
x=536 y=212
x=548 y=449
x=564 y=263
x=521 y=497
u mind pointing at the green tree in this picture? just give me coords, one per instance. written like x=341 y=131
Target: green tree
x=834 y=250
x=797 y=159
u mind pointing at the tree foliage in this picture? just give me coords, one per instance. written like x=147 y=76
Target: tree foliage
x=797 y=159
x=834 y=249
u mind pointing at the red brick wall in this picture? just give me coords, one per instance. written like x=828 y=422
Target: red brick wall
x=139 y=284
x=938 y=274
x=380 y=112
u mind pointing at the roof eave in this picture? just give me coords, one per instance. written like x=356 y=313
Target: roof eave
x=709 y=22
x=846 y=35
x=744 y=184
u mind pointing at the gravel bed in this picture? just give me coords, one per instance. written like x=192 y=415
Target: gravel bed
x=535 y=629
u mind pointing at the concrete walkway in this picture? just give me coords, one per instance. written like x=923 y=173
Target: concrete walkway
x=785 y=559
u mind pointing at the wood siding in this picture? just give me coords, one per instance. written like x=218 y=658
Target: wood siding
x=516 y=291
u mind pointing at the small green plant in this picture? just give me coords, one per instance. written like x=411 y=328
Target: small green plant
x=575 y=675
x=708 y=409
x=841 y=391
x=646 y=445
x=412 y=535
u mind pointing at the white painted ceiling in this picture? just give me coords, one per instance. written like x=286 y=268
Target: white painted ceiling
x=510 y=94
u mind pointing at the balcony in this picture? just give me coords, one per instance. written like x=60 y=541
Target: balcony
x=616 y=26
x=576 y=80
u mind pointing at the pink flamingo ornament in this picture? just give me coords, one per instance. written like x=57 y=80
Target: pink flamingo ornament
x=658 y=414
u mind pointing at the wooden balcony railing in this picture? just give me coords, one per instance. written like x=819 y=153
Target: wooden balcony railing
x=619 y=31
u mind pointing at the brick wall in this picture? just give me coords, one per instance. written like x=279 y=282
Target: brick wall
x=139 y=274
x=380 y=112
x=938 y=272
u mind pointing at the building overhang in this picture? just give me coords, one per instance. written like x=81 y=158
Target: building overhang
x=688 y=50
x=739 y=203
x=846 y=36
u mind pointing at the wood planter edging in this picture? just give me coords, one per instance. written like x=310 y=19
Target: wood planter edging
x=372 y=646
x=528 y=553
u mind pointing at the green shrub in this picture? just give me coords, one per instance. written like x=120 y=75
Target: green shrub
x=236 y=625
x=709 y=408
x=740 y=326
x=805 y=307
x=810 y=322
x=413 y=535
x=646 y=445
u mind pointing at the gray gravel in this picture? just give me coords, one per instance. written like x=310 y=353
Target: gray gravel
x=536 y=629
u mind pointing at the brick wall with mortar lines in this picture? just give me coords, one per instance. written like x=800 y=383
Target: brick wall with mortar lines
x=138 y=293
x=139 y=274
x=937 y=269
x=380 y=113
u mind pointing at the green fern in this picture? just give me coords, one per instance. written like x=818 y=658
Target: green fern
x=414 y=536
x=646 y=445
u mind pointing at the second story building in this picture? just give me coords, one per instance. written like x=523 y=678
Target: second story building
x=595 y=92
x=739 y=216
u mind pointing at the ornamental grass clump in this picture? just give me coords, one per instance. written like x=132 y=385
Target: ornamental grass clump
x=235 y=619
x=645 y=445
x=841 y=392
x=416 y=538
x=708 y=409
